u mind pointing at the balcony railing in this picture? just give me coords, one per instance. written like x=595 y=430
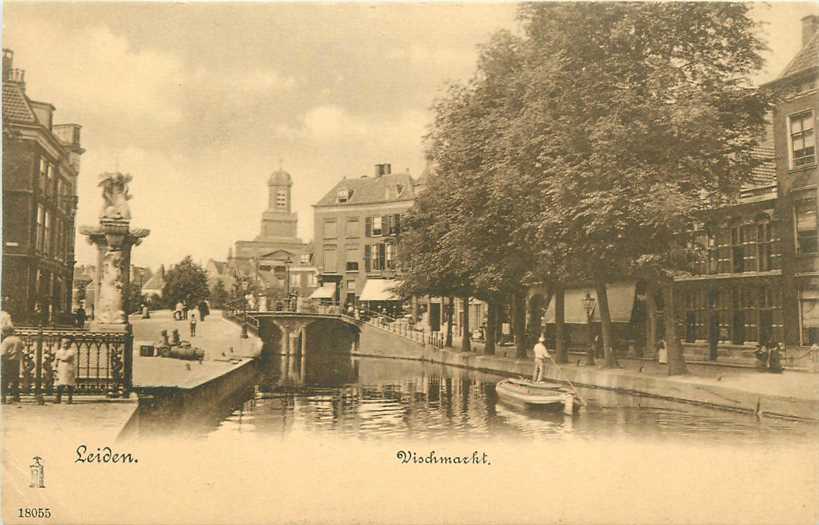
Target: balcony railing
x=103 y=365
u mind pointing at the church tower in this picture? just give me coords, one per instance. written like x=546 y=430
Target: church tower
x=278 y=221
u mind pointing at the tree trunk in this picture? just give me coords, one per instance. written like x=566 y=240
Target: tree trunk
x=651 y=320
x=676 y=360
x=560 y=319
x=534 y=325
x=491 y=327
x=450 y=310
x=466 y=343
x=605 y=324
x=519 y=323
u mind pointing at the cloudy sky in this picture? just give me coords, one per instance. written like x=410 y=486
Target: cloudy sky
x=199 y=102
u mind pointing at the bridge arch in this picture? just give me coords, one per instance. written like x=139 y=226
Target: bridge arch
x=293 y=333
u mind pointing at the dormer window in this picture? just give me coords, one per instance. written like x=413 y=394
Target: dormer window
x=343 y=195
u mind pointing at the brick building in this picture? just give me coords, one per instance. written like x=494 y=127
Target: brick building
x=356 y=227
x=41 y=164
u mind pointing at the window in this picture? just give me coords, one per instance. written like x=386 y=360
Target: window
x=809 y=310
x=694 y=315
x=38 y=243
x=377 y=229
x=805 y=218
x=44 y=177
x=281 y=199
x=343 y=196
x=330 y=229
x=329 y=258
x=770 y=315
x=803 y=140
x=351 y=228
x=375 y=257
x=389 y=256
x=352 y=259
x=47 y=233
x=749 y=314
x=304 y=258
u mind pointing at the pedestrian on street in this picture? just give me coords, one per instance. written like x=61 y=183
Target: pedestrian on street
x=12 y=349
x=177 y=313
x=193 y=324
x=541 y=355
x=66 y=357
x=185 y=309
x=81 y=316
x=662 y=353
x=204 y=311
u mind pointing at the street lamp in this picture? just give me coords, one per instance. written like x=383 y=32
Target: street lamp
x=589 y=304
x=244 y=305
x=287 y=263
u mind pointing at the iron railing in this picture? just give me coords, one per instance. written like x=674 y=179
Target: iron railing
x=103 y=365
x=401 y=327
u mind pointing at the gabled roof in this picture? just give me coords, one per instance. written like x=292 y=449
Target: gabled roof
x=386 y=188
x=220 y=266
x=807 y=58
x=156 y=282
x=16 y=106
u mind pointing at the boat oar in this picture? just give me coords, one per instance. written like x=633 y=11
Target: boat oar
x=560 y=370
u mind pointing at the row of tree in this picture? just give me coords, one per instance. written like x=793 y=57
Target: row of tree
x=580 y=151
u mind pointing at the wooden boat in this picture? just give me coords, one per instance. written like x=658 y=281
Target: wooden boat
x=536 y=396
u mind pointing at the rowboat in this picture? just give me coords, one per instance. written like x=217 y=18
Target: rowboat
x=536 y=396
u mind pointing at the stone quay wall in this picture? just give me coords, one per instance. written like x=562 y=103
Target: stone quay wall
x=378 y=342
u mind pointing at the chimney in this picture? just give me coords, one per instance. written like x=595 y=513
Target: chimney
x=9 y=73
x=810 y=24
x=387 y=169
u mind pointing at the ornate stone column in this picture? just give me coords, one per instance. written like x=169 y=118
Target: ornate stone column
x=114 y=240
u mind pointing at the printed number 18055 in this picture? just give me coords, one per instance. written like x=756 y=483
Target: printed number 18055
x=34 y=512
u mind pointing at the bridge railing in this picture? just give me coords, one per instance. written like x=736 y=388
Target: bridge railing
x=400 y=326
x=103 y=362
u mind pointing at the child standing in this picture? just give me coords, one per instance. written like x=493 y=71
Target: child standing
x=193 y=324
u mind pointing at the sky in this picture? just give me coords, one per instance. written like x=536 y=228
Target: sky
x=201 y=102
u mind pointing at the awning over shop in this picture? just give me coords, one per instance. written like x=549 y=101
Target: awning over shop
x=379 y=290
x=621 y=303
x=326 y=291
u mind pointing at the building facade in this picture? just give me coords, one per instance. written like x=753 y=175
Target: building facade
x=794 y=122
x=356 y=227
x=41 y=165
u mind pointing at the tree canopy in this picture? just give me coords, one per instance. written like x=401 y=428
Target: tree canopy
x=187 y=282
x=581 y=149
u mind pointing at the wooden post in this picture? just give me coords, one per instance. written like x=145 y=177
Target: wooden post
x=466 y=343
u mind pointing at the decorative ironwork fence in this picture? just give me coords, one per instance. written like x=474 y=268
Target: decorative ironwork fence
x=103 y=365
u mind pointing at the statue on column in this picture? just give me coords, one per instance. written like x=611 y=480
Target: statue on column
x=115 y=196
x=114 y=240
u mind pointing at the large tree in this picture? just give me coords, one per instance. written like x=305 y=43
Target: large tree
x=187 y=282
x=633 y=110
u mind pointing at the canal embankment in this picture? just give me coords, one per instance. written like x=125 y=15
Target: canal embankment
x=188 y=391
x=792 y=394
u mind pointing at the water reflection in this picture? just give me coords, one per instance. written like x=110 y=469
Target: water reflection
x=371 y=398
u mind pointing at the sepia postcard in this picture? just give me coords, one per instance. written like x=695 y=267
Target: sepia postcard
x=409 y=263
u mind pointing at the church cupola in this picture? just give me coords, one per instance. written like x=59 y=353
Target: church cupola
x=278 y=187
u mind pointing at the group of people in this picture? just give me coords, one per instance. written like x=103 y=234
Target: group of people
x=183 y=312
x=769 y=357
x=12 y=349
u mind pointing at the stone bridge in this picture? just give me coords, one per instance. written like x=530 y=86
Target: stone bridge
x=295 y=332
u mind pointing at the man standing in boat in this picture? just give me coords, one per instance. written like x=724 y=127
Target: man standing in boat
x=541 y=355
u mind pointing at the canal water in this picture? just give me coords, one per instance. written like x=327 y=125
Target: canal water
x=377 y=399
